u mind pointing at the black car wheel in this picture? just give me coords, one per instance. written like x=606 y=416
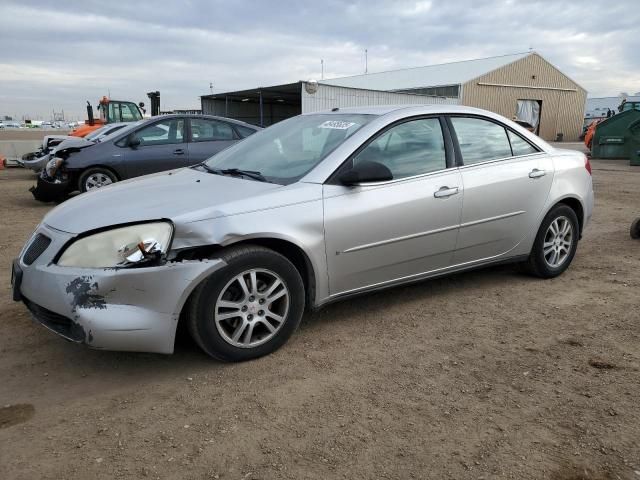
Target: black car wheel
x=555 y=244
x=634 y=231
x=249 y=308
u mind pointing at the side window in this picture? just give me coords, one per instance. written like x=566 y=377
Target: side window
x=244 y=132
x=480 y=140
x=520 y=146
x=114 y=112
x=162 y=133
x=203 y=130
x=411 y=148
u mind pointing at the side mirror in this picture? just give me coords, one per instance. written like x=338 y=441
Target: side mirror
x=134 y=142
x=366 y=172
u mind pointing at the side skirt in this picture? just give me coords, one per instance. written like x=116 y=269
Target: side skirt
x=417 y=279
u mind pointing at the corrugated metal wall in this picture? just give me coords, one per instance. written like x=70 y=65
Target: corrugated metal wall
x=329 y=96
x=563 y=100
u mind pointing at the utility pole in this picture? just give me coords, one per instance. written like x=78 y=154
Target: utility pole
x=366 y=66
x=321 y=69
x=211 y=87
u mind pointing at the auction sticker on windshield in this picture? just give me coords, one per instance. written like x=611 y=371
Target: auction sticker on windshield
x=337 y=125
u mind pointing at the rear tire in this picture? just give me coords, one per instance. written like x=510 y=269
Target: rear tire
x=94 y=178
x=555 y=244
x=249 y=308
x=634 y=231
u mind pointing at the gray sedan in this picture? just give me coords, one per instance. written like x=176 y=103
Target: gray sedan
x=147 y=146
x=312 y=210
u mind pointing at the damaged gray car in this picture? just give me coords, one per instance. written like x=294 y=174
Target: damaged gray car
x=314 y=209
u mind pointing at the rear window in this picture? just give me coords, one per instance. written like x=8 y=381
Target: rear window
x=244 y=131
x=520 y=146
x=205 y=130
x=480 y=140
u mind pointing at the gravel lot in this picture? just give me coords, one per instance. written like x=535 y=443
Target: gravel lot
x=489 y=374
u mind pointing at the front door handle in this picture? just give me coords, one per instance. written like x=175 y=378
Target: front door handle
x=535 y=173
x=178 y=151
x=445 y=192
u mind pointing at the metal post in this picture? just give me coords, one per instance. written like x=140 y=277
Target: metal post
x=261 y=118
x=226 y=106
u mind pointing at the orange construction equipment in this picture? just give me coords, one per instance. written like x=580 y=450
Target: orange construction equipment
x=591 y=130
x=110 y=111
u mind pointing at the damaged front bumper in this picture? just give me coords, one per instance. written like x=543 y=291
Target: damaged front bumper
x=36 y=163
x=50 y=190
x=114 y=309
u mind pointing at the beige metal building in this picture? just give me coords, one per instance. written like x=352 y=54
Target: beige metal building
x=523 y=85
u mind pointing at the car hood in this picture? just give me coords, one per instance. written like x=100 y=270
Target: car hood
x=72 y=142
x=47 y=138
x=184 y=195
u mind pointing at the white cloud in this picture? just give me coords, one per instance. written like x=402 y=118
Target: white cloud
x=59 y=55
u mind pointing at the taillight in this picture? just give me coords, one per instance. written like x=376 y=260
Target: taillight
x=587 y=164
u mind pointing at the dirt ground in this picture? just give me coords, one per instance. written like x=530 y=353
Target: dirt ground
x=484 y=375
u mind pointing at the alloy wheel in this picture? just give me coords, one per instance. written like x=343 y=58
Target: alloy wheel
x=558 y=241
x=97 y=180
x=251 y=308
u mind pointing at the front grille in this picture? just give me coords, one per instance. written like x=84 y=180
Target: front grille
x=36 y=248
x=58 y=323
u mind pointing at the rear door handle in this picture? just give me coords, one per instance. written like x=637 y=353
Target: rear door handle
x=445 y=192
x=535 y=173
x=178 y=151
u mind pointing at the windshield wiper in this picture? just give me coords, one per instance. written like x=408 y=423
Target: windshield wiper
x=253 y=174
x=207 y=168
x=246 y=173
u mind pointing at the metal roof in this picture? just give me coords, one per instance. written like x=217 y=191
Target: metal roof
x=454 y=73
x=597 y=106
x=287 y=93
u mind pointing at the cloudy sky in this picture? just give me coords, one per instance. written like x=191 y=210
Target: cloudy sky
x=58 y=54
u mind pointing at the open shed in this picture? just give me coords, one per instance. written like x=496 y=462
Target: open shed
x=268 y=105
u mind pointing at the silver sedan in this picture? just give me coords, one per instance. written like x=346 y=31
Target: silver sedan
x=314 y=209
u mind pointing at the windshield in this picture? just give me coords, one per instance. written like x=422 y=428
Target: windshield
x=288 y=150
x=96 y=133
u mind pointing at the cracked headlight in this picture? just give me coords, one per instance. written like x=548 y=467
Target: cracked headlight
x=53 y=165
x=120 y=247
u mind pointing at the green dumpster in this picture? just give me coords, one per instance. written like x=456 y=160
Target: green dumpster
x=613 y=138
x=634 y=143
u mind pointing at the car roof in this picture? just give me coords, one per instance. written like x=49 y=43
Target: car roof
x=411 y=109
x=208 y=117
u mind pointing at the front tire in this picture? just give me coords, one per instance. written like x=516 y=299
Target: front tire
x=249 y=308
x=94 y=178
x=555 y=244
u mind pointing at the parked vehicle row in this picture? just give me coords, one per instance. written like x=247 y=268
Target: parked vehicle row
x=36 y=161
x=311 y=210
x=140 y=148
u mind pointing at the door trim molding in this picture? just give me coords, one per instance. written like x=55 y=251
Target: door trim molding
x=397 y=239
x=429 y=232
x=492 y=219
